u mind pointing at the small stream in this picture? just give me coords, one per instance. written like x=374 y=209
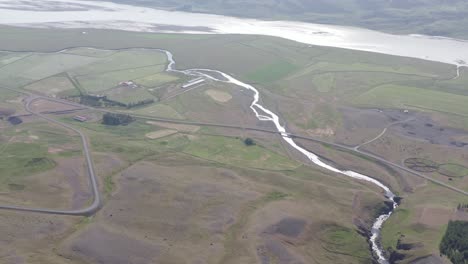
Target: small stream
x=264 y=114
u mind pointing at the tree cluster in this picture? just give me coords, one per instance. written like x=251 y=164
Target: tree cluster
x=454 y=244
x=140 y=103
x=249 y=142
x=112 y=119
x=90 y=100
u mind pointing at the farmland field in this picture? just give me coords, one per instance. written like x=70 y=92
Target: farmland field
x=53 y=85
x=393 y=96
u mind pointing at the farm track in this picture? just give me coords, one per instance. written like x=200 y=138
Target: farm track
x=96 y=204
x=383 y=132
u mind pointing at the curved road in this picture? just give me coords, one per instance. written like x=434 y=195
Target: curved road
x=383 y=132
x=95 y=206
x=91 y=209
x=335 y=145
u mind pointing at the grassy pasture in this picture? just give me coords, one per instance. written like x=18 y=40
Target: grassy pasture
x=342 y=240
x=415 y=225
x=122 y=60
x=38 y=66
x=90 y=52
x=8 y=58
x=324 y=83
x=98 y=82
x=23 y=159
x=234 y=152
x=128 y=95
x=56 y=85
x=6 y=95
x=24 y=150
x=158 y=110
x=272 y=72
x=453 y=170
x=410 y=97
x=94 y=70
x=156 y=79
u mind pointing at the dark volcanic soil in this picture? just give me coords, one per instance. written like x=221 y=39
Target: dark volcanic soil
x=424 y=128
x=274 y=249
x=289 y=227
x=428 y=260
x=102 y=246
x=414 y=125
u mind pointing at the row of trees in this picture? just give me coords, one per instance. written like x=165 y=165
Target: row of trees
x=462 y=206
x=140 y=103
x=454 y=244
x=112 y=119
x=91 y=100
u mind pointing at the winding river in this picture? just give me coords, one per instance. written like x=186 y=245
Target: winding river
x=85 y=14
x=264 y=114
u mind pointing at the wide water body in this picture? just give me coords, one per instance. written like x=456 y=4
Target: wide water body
x=76 y=14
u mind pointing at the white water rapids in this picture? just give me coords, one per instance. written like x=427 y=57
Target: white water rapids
x=265 y=114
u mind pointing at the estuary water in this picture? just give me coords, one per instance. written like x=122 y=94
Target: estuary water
x=95 y=14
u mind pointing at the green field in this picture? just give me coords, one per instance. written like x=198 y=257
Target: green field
x=128 y=95
x=158 y=110
x=20 y=159
x=272 y=72
x=81 y=70
x=55 y=85
x=99 y=82
x=235 y=152
x=24 y=150
x=396 y=96
x=341 y=240
x=121 y=61
x=156 y=79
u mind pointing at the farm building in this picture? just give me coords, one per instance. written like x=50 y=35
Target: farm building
x=80 y=118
